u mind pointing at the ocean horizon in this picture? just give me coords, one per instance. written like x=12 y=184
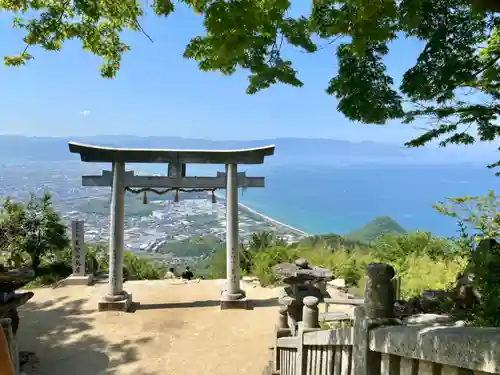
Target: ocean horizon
x=341 y=198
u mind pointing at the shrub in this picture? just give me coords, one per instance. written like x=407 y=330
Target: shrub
x=479 y=219
x=96 y=258
x=421 y=260
x=258 y=242
x=215 y=267
x=347 y=264
x=396 y=249
x=265 y=259
x=421 y=272
x=485 y=265
x=33 y=229
x=217 y=264
x=137 y=268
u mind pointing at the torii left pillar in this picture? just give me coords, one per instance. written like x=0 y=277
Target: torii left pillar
x=232 y=296
x=116 y=299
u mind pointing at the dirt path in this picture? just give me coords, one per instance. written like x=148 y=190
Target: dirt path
x=176 y=329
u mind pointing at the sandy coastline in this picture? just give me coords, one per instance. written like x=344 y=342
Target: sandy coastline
x=274 y=221
x=267 y=218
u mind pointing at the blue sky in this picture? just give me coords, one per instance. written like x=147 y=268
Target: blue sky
x=157 y=92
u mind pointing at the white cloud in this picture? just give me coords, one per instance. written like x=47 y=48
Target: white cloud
x=85 y=113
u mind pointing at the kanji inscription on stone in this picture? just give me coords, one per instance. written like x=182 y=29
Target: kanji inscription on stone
x=78 y=245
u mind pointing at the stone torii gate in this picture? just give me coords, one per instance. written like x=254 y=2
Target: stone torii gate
x=120 y=180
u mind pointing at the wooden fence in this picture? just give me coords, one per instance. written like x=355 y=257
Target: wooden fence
x=374 y=344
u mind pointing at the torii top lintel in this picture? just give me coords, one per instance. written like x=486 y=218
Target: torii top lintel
x=99 y=154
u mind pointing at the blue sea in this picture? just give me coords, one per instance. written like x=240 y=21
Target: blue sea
x=340 y=199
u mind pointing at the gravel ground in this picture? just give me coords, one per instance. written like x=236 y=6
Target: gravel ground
x=175 y=329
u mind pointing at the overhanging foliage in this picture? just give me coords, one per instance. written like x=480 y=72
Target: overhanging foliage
x=454 y=82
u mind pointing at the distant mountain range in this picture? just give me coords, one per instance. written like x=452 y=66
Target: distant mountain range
x=301 y=151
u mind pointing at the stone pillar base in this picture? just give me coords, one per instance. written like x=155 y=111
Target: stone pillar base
x=240 y=304
x=234 y=301
x=78 y=280
x=121 y=302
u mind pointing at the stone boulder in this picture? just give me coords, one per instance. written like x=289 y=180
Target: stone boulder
x=300 y=272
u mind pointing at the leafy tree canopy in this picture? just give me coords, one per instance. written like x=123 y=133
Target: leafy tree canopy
x=479 y=215
x=460 y=54
x=33 y=228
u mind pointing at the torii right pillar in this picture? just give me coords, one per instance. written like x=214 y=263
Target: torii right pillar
x=232 y=297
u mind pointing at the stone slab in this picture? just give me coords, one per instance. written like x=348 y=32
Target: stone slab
x=78 y=280
x=122 y=305
x=241 y=304
x=472 y=348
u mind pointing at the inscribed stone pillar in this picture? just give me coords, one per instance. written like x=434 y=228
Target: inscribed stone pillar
x=79 y=275
x=116 y=232
x=78 y=245
x=379 y=291
x=233 y=291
